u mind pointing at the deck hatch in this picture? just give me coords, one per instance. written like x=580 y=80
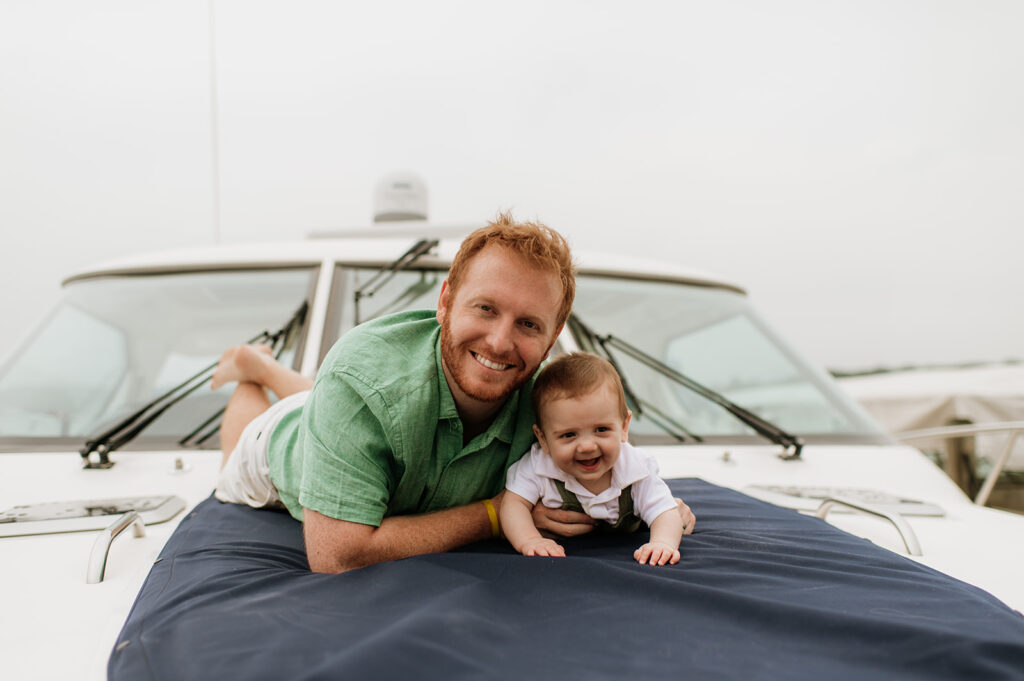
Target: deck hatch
x=84 y=515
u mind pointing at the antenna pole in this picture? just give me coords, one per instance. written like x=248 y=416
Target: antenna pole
x=214 y=126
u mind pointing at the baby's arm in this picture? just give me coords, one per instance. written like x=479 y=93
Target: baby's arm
x=666 y=532
x=517 y=523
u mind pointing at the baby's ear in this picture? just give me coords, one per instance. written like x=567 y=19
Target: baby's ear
x=539 y=434
x=625 y=425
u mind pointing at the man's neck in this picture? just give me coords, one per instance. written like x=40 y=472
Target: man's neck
x=476 y=415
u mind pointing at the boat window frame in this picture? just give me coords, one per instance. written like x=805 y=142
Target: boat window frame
x=21 y=444
x=340 y=303
x=126 y=273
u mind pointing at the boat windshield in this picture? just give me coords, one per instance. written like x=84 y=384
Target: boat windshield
x=714 y=337
x=113 y=344
x=711 y=335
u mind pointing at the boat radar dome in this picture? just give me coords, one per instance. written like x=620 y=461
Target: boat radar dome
x=399 y=197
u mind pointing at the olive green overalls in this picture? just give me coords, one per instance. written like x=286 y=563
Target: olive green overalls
x=627 y=522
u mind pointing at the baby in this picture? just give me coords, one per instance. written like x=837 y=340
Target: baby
x=582 y=462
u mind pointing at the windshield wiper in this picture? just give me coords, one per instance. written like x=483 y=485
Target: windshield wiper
x=278 y=342
x=388 y=272
x=637 y=405
x=129 y=428
x=408 y=297
x=791 y=444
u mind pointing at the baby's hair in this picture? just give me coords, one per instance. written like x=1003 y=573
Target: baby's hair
x=570 y=376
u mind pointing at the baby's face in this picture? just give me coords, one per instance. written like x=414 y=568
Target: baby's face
x=583 y=435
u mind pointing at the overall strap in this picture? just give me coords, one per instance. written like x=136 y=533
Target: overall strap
x=627 y=522
x=570 y=502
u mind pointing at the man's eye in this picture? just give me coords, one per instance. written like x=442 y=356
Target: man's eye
x=528 y=324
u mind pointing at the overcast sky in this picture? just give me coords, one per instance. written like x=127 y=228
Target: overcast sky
x=857 y=165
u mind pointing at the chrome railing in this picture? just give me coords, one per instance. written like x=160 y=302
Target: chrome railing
x=895 y=519
x=1013 y=429
x=101 y=547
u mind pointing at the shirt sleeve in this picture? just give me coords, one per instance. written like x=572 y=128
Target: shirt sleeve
x=651 y=495
x=523 y=480
x=348 y=463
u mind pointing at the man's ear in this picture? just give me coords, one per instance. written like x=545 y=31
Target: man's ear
x=540 y=438
x=442 y=302
x=554 y=339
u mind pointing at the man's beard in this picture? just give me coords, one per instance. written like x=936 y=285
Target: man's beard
x=455 y=358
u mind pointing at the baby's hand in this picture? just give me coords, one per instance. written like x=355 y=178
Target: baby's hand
x=542 y=547
x=655 y=553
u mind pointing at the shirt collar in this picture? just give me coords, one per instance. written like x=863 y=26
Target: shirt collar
x=628 y=469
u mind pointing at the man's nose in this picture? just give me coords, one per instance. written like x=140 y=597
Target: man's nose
x=500 y=337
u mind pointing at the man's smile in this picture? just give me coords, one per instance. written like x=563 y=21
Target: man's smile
x=490 y=364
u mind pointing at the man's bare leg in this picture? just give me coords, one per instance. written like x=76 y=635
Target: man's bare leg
x=255 y=370
x=247 y=402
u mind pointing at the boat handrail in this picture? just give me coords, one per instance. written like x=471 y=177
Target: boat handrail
x=1014 y=429
x=101 y=547
x=907 y=533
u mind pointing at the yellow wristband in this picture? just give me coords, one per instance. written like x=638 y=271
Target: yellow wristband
x=493 y=515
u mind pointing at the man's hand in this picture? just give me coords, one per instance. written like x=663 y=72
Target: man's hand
x=656 y=553
x=542 y=547
x=689 y=520
x=554 y=522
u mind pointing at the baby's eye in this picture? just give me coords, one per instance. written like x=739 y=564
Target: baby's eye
x=603 y=429
x=566 y=436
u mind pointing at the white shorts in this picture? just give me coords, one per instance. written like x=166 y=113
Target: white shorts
x=245 y=478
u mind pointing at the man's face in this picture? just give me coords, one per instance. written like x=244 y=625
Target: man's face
x=498 y=327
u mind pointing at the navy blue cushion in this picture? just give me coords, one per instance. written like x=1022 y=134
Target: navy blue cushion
x=760 y=593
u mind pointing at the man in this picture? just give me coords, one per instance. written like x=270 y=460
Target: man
x=414 y=418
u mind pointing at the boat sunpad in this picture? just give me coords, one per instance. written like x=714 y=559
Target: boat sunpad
x=761 y=592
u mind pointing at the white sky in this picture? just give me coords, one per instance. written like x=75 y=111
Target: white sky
x=856 y=164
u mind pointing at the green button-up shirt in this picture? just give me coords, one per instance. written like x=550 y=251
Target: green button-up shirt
x=380 y=434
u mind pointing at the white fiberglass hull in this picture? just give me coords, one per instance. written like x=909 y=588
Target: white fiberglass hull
x=56 y=626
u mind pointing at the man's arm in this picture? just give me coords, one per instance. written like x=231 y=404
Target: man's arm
x=338 y=545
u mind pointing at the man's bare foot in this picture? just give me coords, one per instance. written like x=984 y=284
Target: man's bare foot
x=243 y=363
